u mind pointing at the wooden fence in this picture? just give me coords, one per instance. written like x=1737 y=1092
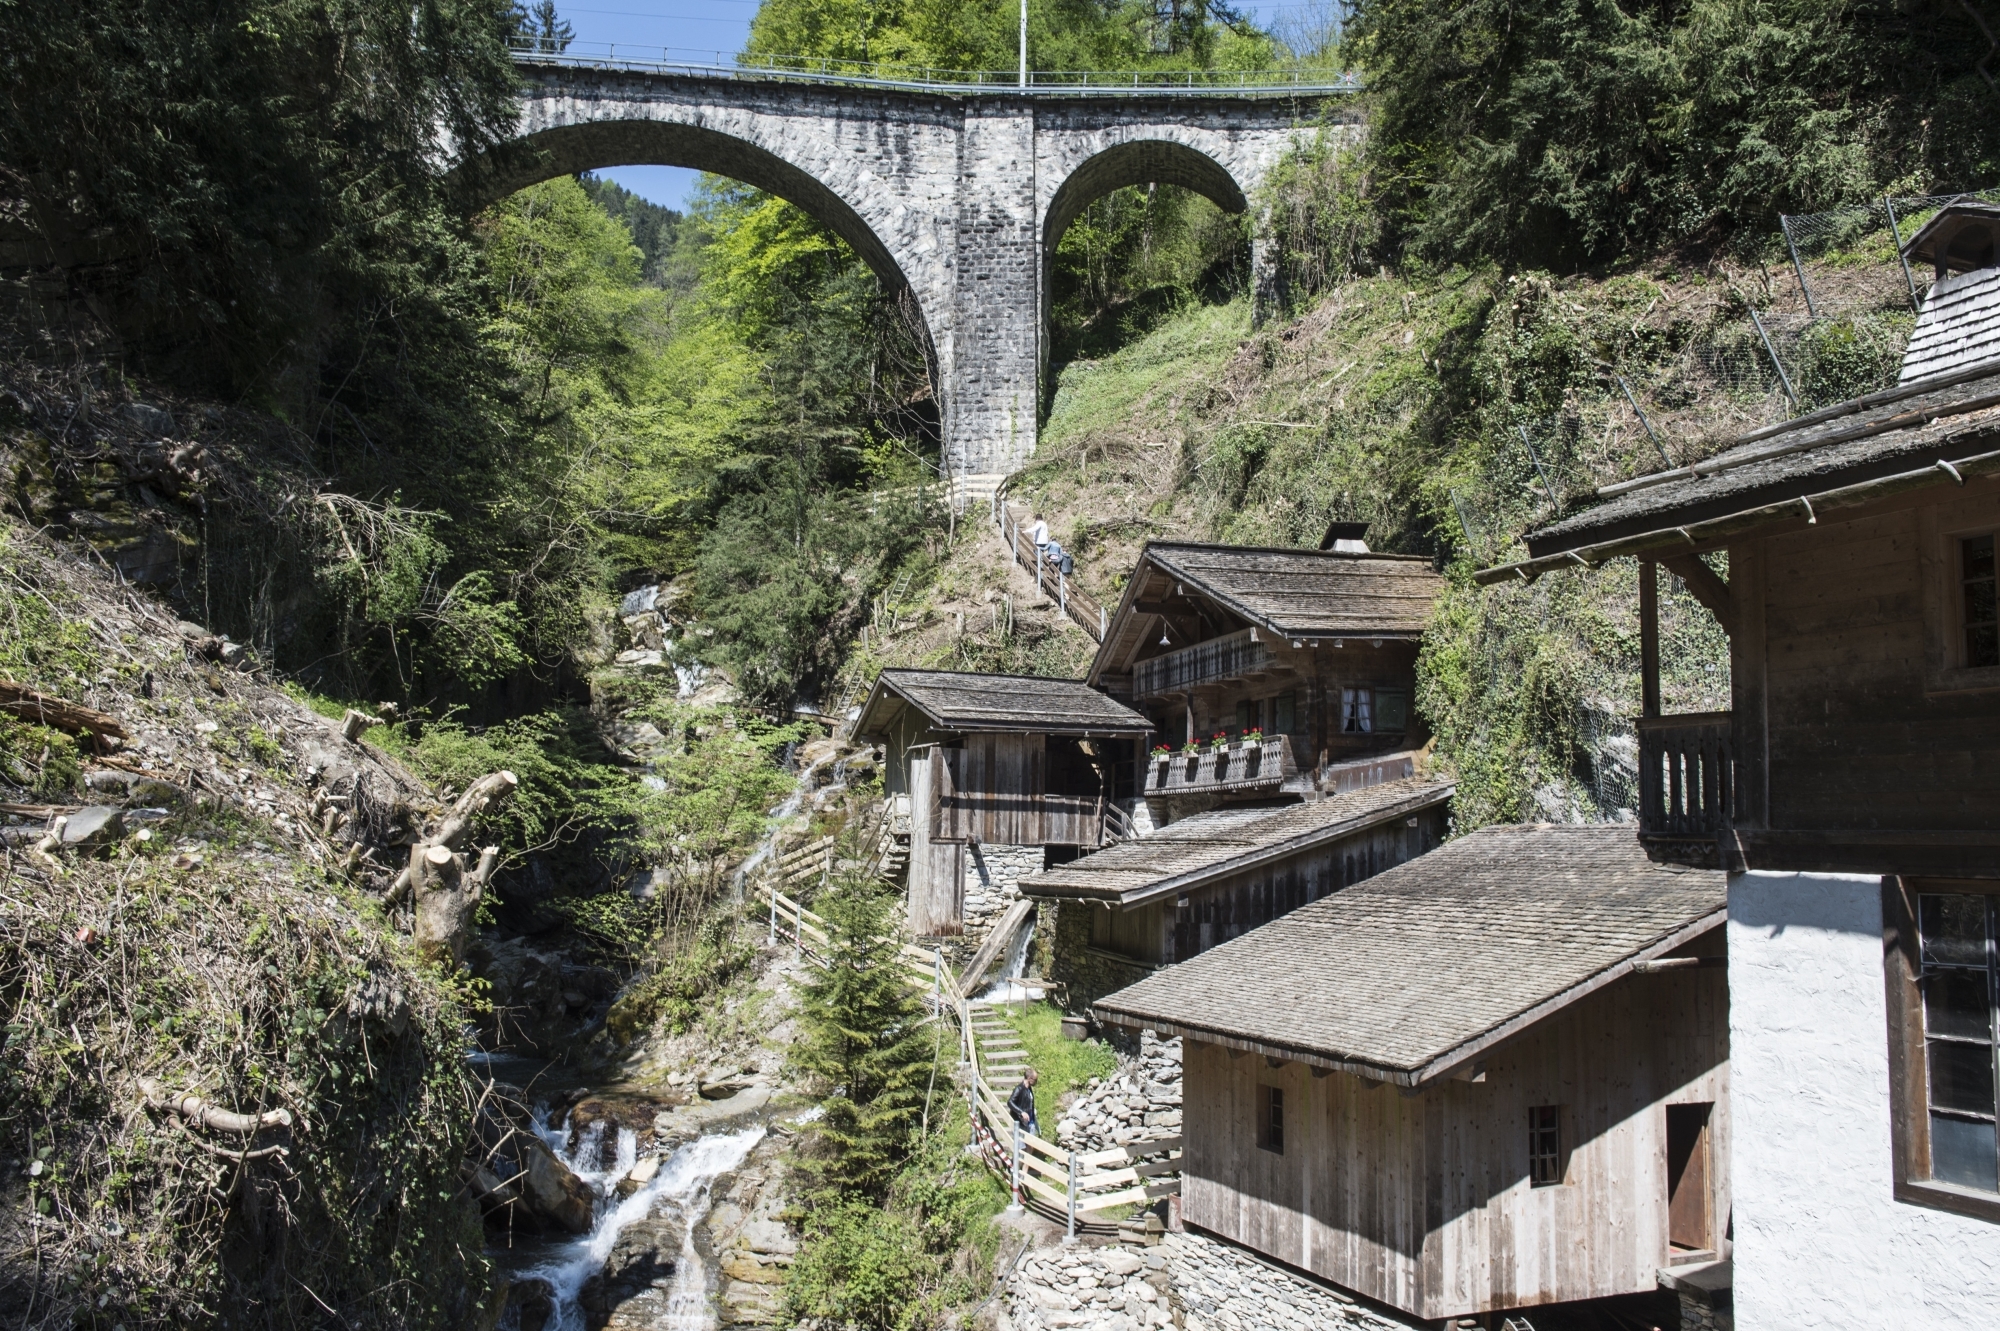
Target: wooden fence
x=1088 y=614
x=1070 y=1186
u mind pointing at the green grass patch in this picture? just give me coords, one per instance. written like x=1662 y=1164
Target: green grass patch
x=1063 y=1064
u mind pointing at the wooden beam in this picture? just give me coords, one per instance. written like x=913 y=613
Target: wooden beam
x=1705 y=586
x=1649 y=638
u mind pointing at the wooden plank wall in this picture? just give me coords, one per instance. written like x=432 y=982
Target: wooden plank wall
x=1424 y=1201
x=999 y=796
x=1856 y=613
x=937 y=867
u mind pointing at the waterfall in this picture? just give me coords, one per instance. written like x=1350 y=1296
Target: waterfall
x=684 y=1182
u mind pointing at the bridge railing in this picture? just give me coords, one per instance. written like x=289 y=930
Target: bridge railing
x=713 y=64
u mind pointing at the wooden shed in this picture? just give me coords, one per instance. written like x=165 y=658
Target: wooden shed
x=1135 y=907
x=1314 y=649
x=1495 y=1077
x=987 y=767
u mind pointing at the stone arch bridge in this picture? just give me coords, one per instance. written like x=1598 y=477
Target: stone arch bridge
x=956 y=194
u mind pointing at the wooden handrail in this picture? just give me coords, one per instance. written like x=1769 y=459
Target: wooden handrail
x=1078 y=1175
x=1079 y=606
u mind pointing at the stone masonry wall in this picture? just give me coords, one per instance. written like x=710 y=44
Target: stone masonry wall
x=993 y=877
x=1084 y=973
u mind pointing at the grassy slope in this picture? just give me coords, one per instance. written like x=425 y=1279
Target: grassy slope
x=222 y=954
x=1400 y=400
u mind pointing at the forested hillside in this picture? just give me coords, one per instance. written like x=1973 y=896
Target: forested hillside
x=617 y=499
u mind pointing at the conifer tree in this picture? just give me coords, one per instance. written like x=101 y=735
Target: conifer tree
x=865 y=1040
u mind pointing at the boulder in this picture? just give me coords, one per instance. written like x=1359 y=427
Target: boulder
x=97 y=825
x=554 y=1193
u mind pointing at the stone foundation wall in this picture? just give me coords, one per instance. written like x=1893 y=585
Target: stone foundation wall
x=993 y=877
x=1085 y=973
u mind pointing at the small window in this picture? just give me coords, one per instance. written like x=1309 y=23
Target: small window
x=1246 y=716
x=1982 y=626
x=1392 y=710
x=1545 y=1145
x=1356 y=711
x=1271 y=1119
x=1957 y=934
x=1285 y=712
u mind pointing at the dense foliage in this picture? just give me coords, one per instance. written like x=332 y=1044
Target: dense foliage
x=1572 y=131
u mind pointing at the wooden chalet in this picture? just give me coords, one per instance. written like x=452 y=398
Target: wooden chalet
x=1853 y=792
x=990 y=770
x=1134 y=907
x=1494 y=1077
x=1316 y=649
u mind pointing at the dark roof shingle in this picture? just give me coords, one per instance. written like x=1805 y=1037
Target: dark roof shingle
x=1408 y=973
x=1308 y=593
x=1214 y=845
x=960 y=700
x=1891 y=433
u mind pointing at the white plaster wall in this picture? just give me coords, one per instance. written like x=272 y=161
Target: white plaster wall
x=1820 y=1240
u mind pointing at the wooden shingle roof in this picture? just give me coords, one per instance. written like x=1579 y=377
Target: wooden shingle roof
x=1414 y=972
x=1214 y=845
x=952 y=700
x=1308 y=593
x=1912 y=437
x=1302 y=595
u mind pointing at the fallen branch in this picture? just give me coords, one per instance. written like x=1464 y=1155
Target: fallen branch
x=355 y=724
x=101 y=728
x=197 y=1110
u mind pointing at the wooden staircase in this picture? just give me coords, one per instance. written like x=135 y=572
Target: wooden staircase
x=1002 y=1058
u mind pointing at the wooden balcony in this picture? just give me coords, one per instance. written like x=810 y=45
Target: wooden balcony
x=1687 y=784
x=1233 y=656
x=1231 y=770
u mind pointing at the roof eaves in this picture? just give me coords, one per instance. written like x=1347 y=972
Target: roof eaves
x=1443 y=1065
x=1257 y=856
x=1690 y=537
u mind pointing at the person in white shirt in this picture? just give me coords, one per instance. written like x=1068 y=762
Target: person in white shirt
x=1038 y=532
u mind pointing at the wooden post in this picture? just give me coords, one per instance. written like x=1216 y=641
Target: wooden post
x=1062 y=590
x=1014 y=1172
x=1070 y=1235
x=1649 y=638
x=772 y=940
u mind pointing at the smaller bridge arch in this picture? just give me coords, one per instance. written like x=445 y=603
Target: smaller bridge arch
x=1137 y=162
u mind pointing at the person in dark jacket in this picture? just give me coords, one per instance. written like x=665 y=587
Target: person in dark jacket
x=1021 y=1104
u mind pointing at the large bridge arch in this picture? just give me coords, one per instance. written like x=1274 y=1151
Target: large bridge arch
x=956 y=194
x=567 y=150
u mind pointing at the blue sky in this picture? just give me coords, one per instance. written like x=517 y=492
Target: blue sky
x=714 y=30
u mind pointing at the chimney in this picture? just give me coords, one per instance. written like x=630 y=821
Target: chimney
x=1959 y=324
x=1346 y=538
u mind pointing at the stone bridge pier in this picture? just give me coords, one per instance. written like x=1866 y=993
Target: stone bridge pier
x=958 y=196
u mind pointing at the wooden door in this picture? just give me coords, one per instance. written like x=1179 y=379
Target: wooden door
x=1688 y=1172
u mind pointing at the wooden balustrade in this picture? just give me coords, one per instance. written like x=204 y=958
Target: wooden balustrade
x=1231 y=656
x=1235 y=767
x=1687 y=776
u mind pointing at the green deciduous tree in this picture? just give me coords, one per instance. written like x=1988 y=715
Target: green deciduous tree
x=1567 y=131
